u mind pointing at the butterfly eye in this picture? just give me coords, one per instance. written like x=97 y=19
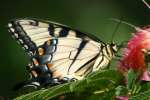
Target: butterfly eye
x=113 y=44
x=114 y=47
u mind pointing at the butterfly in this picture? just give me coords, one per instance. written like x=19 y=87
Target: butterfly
x=59 y=53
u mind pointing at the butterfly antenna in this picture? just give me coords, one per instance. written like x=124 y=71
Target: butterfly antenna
x=146 y=3
x=129 y=24
x=113 y=35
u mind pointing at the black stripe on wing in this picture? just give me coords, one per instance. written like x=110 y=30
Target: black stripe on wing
x=24 y=38
x=81 y=47
x=65 y=30
x=20 y=35
x=30 y=38
x=89 y=67
x=51 y=30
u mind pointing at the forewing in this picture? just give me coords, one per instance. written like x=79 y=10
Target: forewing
x=32 y=33
x=74 y=54
x=70 y=58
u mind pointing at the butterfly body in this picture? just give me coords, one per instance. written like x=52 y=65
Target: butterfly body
x=59 y=53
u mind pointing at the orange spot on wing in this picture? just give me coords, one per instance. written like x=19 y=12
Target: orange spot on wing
x=34 y=73
x=48 y=42
x=35 y=62
x=57 y=74
x=41 y=51
x=49 y=65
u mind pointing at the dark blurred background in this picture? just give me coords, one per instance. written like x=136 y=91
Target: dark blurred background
x=87 y=15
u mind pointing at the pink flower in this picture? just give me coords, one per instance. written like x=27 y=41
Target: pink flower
x=122 y=98
x=134 y=57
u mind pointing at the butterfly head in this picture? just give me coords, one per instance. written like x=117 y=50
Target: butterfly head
x=114 y=47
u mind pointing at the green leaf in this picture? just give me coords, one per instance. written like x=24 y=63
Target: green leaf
x=108 y=95
x=46 y=93
x=29 y=96
x=131 y=78
x=78 y=85
x=135 y=88
x=96 y=84
x=121 y=90
x=145 y=86
x=109 y=74
x=141 y=96
x=95 y=97
x=100 y=81
x=54 y=92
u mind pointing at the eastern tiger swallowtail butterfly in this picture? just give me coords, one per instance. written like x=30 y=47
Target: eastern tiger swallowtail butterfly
x=59 y=53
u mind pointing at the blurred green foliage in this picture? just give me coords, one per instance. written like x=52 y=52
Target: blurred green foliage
x=87 y=15
x=99 y=85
